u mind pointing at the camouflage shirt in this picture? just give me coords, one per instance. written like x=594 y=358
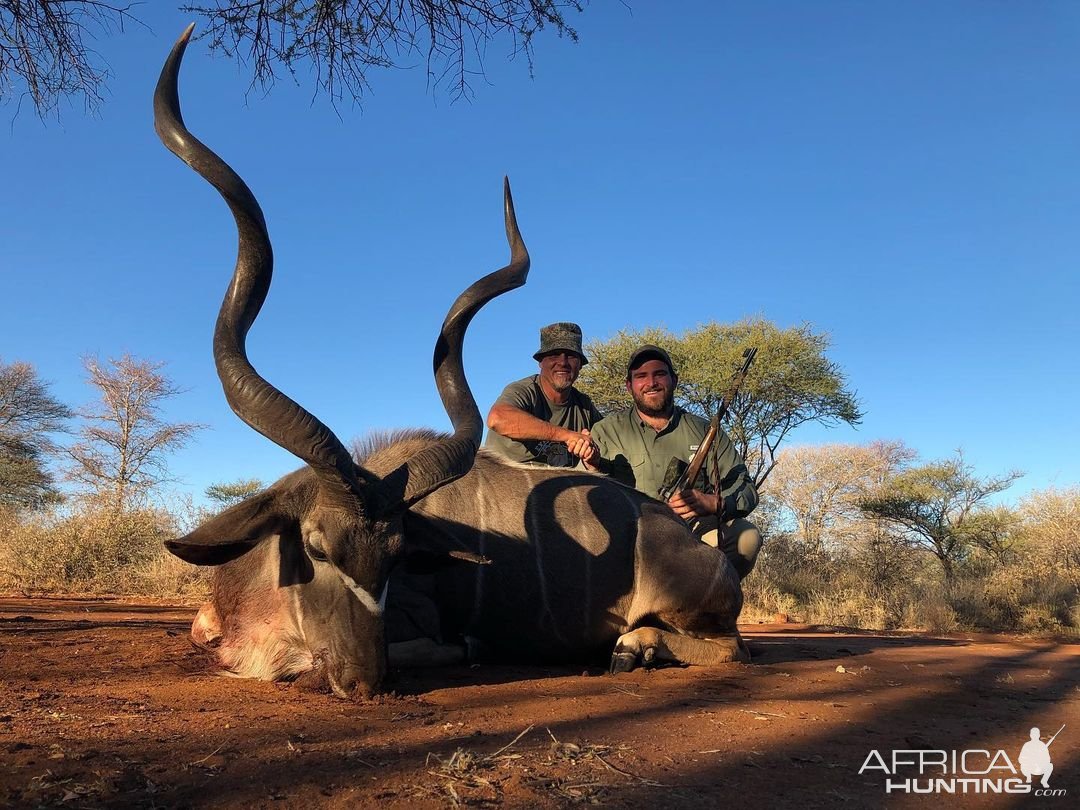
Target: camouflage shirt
x=638 y=456
x=526 y=395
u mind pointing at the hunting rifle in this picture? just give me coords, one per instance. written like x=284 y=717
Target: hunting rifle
x=690 y=471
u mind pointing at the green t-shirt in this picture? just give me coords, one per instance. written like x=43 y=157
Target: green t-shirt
x=638 y=456
x=577 y=414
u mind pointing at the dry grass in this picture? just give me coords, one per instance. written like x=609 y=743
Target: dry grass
x=83 y=549
x=1026 y=594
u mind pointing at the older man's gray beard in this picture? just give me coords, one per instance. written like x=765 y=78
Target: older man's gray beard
x=665 y=408
x=559 y=384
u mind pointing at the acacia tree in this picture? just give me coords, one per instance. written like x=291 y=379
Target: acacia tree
x=230 y=493
x=124 y=442
x=939 y=507
x=791 y=383
x=28 y=415
x=44 y=52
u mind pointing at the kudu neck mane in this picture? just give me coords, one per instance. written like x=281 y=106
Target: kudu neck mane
x=381 y=452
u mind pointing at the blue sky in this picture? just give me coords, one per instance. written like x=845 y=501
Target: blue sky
x=903 y=176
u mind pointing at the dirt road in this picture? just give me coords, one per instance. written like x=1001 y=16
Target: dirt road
x=105 y=704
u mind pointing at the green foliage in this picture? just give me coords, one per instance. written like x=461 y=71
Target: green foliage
x=791 y=383
x=28 y=415
x=940 y=507
x=229 y=493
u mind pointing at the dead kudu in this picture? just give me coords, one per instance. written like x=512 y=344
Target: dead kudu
x=422 y=538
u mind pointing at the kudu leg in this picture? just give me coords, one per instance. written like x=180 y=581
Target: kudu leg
x=688 y=588
x=649 y=646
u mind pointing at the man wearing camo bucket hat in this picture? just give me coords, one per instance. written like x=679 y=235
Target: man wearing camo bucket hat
x=543 y=418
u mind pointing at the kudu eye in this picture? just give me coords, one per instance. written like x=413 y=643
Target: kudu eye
x=314 y=549
x=316 y=554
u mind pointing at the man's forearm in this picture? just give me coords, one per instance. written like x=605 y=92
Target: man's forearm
x=514 y=423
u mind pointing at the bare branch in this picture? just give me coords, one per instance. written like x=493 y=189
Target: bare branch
x=125 y=442
x=44 y=50
x=339 y=40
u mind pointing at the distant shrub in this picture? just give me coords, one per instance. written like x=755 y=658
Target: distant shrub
x=1021 y=597
x=892 y=588
x=85 y=549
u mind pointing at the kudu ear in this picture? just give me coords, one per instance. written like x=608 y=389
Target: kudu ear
x=231 y=534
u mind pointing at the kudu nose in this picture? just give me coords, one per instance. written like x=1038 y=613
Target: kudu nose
x=357 y=680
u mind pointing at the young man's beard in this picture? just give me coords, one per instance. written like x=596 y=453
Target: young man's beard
x=648 y=410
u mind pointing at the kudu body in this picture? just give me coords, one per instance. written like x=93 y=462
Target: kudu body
x=540 y=563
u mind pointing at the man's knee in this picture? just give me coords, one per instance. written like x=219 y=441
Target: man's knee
x=741 y=542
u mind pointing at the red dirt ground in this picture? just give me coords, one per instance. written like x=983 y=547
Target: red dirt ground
x=104 y=703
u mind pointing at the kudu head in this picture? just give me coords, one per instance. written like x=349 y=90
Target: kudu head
x=329 y=534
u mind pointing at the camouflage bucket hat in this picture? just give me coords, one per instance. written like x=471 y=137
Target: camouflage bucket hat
x=561 y=337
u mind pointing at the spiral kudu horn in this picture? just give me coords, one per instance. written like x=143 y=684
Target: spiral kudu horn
x=275 y=415
x=452 y=457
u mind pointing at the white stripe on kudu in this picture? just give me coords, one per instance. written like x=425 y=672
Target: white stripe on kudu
x=366 y=599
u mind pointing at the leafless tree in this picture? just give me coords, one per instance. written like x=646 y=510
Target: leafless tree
x=121 y=454
x=817 y=489
x=28 y=414
x=46 y=50
x=342 y=39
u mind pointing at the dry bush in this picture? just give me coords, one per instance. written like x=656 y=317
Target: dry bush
x=86 y=549
x=880 y=585
x=931 y=612
x=166 y=575
x=777 y=584
x=1021 y=597
x=831 y=585
x=762 y=600
x=847 y=607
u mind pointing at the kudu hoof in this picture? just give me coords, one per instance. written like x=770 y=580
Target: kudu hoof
x=623 y=662
x=625 y=659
